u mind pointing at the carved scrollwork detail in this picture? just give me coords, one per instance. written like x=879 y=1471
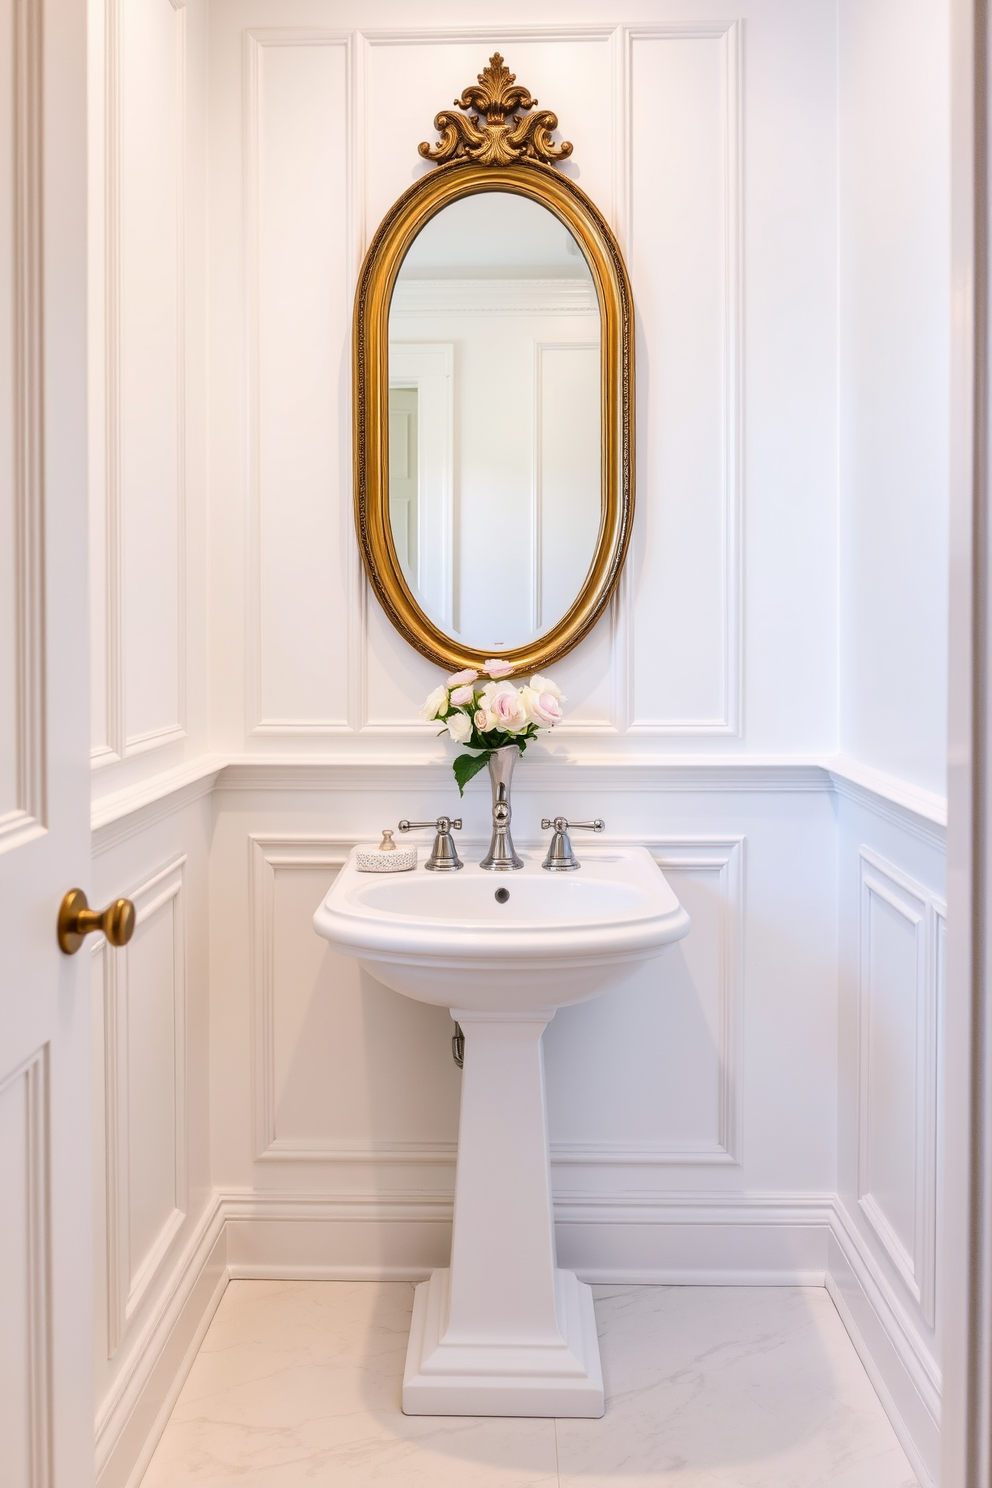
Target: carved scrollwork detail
x=489 y=137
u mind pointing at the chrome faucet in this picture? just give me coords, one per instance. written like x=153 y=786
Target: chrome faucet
x=502 y=855
x=560 y=858
x=444 y=854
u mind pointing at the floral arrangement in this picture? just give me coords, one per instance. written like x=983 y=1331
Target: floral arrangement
x=488 y=715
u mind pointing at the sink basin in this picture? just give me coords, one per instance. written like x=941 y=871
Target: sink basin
x=558 y=938
x=503 y=1331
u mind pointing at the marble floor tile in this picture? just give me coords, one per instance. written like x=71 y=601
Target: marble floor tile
x=298 y=1383
x=730 y=1387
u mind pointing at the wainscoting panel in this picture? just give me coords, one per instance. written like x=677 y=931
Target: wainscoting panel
x=25 y=1366
x=344 y=1070
x=897 y=1111
x=145 y=1096
x=676 y=1032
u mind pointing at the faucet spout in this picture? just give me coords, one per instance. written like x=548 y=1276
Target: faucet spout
x=502 y=856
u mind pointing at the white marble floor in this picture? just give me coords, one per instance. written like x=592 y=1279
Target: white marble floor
x=298 y=1383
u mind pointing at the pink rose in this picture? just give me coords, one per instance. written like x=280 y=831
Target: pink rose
x=504 y=708
x=481 y=720
x=462 y=695
x=496 y=668
x=541 y=707
x=460 y=678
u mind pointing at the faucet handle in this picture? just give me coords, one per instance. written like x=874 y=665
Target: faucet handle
x=560 y=858
x=444 y=854
x=562 y=824
x=443 y=824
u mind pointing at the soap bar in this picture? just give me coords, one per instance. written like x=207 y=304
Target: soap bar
x=378 y=860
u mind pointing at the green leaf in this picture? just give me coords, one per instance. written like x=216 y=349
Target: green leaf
x=467 y=766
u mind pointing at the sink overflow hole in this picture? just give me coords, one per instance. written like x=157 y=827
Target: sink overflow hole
x=502 y=895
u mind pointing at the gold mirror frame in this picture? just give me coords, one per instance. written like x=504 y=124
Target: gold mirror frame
x=521 y=153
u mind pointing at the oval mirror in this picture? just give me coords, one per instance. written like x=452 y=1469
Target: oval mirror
x=493 y=424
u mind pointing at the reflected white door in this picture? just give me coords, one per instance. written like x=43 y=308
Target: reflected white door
x=46 y=1402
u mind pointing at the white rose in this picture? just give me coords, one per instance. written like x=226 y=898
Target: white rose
x=545 y=684
x=460 y=727
x=436 y=705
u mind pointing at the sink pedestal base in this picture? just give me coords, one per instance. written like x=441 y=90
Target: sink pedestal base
x=503 y=1332
x=500 y=1377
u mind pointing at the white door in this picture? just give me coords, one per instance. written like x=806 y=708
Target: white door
x=46 y=1403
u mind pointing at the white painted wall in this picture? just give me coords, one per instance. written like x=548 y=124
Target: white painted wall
x=894 y=89
x=701 y=1129
x=894 y=450
x=289 y=86
x=153 y=1190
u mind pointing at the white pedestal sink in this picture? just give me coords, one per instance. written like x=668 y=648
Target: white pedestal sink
x=502 y=1331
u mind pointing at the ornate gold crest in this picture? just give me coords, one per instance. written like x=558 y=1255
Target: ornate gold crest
x=496 y=139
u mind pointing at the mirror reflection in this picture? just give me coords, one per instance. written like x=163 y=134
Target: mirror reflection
x=495 y=497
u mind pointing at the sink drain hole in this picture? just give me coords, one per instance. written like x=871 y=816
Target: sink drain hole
x=502 y=895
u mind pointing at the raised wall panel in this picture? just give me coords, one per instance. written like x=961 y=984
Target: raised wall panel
x=145 y=1095
x=25 y=1383
x=683 y=252
x=151 y=388
x=139 y=615
x=22 y=759
x=676 y=1032
x=9 y=791
x=900 y=969
x=300 y=260
x=339 y=1060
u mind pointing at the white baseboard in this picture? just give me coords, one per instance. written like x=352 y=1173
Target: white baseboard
x=896 y=1359
x=677 y=1239
x=159 y=1357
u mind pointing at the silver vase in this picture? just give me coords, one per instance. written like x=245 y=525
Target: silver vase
x=502 y=856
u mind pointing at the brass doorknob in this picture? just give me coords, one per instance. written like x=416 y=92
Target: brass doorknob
x=76 y=920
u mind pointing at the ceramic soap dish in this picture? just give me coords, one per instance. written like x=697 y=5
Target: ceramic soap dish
x=386 y=858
